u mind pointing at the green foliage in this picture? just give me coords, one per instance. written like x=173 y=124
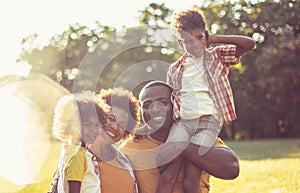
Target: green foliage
x=267 y=90
x=61 y=58
x=266 y=83
x=156 y=15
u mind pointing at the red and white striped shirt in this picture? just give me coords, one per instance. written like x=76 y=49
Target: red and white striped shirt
x=216 y=64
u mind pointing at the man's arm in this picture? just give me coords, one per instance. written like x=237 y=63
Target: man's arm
x=244 y=44
x=220 y=162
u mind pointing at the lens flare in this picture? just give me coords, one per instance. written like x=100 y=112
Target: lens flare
x=26 y=115
x=24 y=145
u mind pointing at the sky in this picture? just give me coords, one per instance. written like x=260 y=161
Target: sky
x=21 y=18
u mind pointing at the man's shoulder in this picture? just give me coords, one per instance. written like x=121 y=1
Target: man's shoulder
x=220 y=143
x=143 y=143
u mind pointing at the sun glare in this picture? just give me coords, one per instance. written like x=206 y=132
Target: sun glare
x=24 y=145
x=20 y=69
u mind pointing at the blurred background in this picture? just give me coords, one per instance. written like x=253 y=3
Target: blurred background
x=52 y=48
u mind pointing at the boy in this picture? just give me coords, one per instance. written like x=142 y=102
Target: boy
x=202 y=94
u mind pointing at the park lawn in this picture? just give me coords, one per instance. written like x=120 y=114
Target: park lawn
x=266 y=166
x=268 y=176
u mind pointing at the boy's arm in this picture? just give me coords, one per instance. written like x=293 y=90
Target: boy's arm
x=243 y=43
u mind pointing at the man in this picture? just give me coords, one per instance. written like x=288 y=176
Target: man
x=157 y=113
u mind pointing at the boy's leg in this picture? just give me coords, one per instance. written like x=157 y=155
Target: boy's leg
x=220 y=162
x=169 y=155
x=206 y=134
x=191 y=181
x=176 y=142
x=168 y=177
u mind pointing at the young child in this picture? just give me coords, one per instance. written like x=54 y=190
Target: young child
x=78 y=120
x=202 y=94
x=114 y=167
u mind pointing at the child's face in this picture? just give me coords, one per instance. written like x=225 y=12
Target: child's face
x=116 y=123
x=91 y=128
x=194 y=42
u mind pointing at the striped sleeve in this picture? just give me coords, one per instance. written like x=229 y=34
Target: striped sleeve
x=227 y=54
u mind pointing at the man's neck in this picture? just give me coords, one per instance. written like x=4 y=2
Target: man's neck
x=160 y=135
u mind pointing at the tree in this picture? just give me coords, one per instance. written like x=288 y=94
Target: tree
x=60 y=59
x=95 y=58
x=265 y=83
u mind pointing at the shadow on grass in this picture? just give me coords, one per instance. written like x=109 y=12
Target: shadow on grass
x=266 y=149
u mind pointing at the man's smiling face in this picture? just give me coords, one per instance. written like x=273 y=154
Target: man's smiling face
x=156 y=107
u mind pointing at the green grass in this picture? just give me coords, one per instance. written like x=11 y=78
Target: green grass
x=46 y=172
x=266 y=166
